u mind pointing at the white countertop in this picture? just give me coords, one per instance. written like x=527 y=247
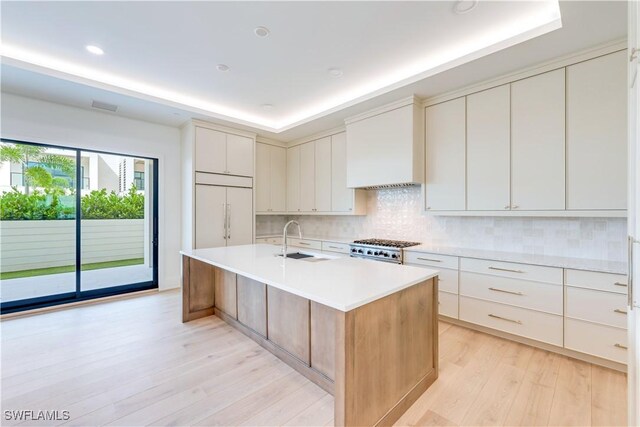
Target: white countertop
x=603 y=266
x=339 y=282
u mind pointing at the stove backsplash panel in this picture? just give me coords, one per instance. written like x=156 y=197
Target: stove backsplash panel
x=397 y=214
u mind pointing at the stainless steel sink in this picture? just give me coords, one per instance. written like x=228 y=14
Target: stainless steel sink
x=298 y=255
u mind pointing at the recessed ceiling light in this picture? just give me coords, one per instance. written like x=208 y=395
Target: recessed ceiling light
x=335 y=72
x=463 y=6
x=267 y=106
x=222 y=67
x=261 y=31
x=94 y=49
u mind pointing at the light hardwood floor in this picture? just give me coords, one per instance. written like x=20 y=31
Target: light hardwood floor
x=132 y=362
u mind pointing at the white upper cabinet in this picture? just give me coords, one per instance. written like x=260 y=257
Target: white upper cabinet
x=322 y=175
x=224 y=153
x=211 y=150
x=597 y=133
x=278 y=174
x=342 y=198
x=537 y=142
x=445 y=156
x=239 y=155
x=488 y=154
x=307 y=177
x=271 y=178
x=293 y=179
x=263 y=177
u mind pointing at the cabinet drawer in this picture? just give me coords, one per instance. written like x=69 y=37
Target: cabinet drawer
x=597 y=340
x=448 y=304
x=309 y=244
x=510 y=269
x=342 y=248
x=431 y=260
x=447 y=279
x=514 y=320
x=591 y=279
x=521 y=293
x=597 y=306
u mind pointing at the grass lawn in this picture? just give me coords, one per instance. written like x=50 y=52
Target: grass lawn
x=69 y=268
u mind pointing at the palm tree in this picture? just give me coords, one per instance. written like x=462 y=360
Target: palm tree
x=37 y=175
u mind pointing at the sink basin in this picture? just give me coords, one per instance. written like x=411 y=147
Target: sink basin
x=298 y=255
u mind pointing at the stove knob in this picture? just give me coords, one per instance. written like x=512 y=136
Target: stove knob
x=386 y=254
x=394 y=256
x=369 y=252
x=359 y=251
x=376 y=253
x=354 y=250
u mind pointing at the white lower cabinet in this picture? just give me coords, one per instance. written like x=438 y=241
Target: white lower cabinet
x=597 y=340
x=605 y=308
x=521 y=293
x=448 y=304
x=342 y=248
x=531 y=324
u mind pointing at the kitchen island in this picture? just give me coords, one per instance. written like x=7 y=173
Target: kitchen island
x=364 y=331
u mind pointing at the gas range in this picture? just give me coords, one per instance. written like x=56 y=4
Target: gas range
x=380 y=249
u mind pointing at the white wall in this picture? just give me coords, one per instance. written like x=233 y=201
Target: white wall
x=39 y=121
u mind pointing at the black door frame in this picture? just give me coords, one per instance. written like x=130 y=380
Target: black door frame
x=79 y=295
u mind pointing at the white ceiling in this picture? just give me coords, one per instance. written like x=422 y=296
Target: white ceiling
x=178 y=45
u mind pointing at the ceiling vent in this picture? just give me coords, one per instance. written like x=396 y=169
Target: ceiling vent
x=104 y=106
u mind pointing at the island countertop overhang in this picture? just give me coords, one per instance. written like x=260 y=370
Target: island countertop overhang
x=341 y=283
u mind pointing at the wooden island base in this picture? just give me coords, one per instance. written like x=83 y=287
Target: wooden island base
x=376 y=359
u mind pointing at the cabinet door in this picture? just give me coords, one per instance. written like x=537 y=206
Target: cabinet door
x=278 y=170
x=537 y=142
x=210 y=216
x=293 y=179
x=445 y=139
x=239 y=155
x=323 y=174
x=263 y=178
x=288 y=322
x=341 y=196
x=240 y=216
x=252 y=304
x=488 y=158
x=597 y=133
x=307 y=177
x=211 y=151
x=224 y=284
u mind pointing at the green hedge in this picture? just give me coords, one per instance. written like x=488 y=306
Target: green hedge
x=49 y=205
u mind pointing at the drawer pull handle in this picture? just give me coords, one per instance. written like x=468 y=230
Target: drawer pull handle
x=617 y=310
x=429 y=259
x=505 y=269
x=620 y=284
x=624 y=347
x=506 y=292
x=304 y=243
x=335 y=247
x=504 y=318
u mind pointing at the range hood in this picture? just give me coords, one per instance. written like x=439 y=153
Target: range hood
x=385 y=147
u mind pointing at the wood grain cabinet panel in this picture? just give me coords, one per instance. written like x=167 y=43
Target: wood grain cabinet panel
x=252 y=304
x=323 y=339
x=201 y=293
x=288 y=322
x=225 y=292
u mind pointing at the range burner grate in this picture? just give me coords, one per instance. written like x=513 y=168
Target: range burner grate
x=386 y=243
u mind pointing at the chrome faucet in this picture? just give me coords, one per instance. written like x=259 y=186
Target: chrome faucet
x=284 y=236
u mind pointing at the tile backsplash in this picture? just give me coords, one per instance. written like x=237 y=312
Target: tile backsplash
x=397 y=214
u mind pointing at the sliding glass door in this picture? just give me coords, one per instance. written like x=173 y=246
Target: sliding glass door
x=74 y=224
